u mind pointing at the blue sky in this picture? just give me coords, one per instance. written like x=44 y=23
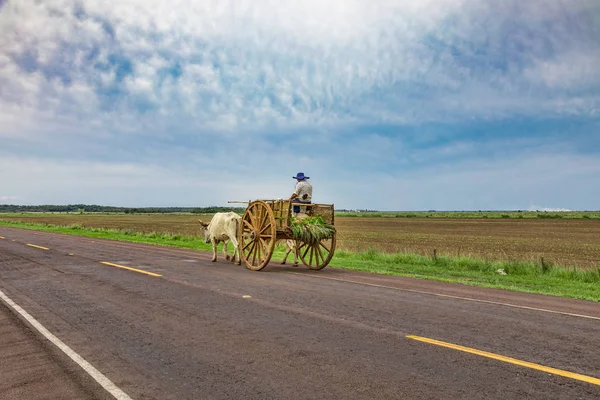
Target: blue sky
x=385 y=104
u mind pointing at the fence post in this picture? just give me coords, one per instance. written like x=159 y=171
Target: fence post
x=544 y=266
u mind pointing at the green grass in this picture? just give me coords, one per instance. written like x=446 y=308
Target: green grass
x=520 y=276
x=162 y=239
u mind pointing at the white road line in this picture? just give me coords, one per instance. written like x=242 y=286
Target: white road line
x=449 y=296
x=89 y=368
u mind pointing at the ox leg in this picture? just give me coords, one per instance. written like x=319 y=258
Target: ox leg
x=291 y=246
x=295 y=249
x=287 y=253
x=214 y=246
x=295 y=258
x=236 y=250
x=225 y=243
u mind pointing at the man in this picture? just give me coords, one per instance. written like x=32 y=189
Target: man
x=302 y=191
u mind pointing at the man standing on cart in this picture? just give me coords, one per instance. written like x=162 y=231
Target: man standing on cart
x=302 y=191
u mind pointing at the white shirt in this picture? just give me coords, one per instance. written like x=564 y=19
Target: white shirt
x=303 y=188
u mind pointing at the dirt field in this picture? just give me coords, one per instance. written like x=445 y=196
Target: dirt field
x=567 y=242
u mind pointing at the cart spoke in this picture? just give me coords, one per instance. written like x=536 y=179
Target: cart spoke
x=311 y=255
x=249 y=253
x=264 y=242
x=325 y=247
x=314 y=250
x=251 y=212
x=254 y=249
x=258 y=212
x=257 y=216
x=248 y=225
x=258 y=253
x=306 y=251
x=264 y=218
x=319 y=254
x=246 y=246
x=265 y=228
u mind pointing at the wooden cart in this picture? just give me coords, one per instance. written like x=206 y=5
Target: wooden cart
x=267 y=221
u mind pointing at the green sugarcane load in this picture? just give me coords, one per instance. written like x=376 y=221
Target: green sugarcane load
x=311 y=230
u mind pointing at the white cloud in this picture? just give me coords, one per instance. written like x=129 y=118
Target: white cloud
x=547 y=209
x=297 y=63
x=571 y=70
x=199 y=89
x=8 y=199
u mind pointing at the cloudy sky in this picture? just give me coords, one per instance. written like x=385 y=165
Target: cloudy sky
x=385 y=104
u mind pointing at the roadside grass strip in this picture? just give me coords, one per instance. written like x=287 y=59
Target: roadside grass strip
x=141 y=271
x=37 y=247
x=99 y=377
x=550 y=370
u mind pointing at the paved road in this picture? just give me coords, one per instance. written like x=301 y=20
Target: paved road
x=202 y=330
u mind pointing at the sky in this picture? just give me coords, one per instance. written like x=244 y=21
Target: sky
x=385 y=104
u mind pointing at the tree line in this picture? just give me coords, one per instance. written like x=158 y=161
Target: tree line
x=87 y=208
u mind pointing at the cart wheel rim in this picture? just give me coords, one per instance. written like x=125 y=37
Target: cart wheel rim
x=317 y=256
x=258 y=235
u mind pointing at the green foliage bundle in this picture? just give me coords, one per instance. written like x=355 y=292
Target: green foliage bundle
x=311 y=230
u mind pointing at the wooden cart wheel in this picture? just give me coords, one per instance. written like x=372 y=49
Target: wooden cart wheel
x=316 y=256
x=258 y=235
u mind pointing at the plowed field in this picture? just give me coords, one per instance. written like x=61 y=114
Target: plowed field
x=566 y=242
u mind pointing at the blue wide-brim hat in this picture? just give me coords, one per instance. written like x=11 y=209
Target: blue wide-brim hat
x=300 y=175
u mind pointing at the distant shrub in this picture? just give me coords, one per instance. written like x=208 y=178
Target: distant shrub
x=549 y=215
x=505 y=216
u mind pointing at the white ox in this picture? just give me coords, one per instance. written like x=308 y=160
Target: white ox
x=222 y=228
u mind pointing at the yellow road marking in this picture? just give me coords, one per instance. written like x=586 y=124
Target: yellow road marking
x=141 y=271
x=247 y=297
x=550 y=370
x=2 y=237
x=37 y=247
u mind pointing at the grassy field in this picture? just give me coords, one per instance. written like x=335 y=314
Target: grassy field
x=569 y=242
x=464 y=250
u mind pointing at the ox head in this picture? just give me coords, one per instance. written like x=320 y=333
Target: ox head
x=204 y=231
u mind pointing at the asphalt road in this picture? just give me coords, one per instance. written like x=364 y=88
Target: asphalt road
x=205 y=330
